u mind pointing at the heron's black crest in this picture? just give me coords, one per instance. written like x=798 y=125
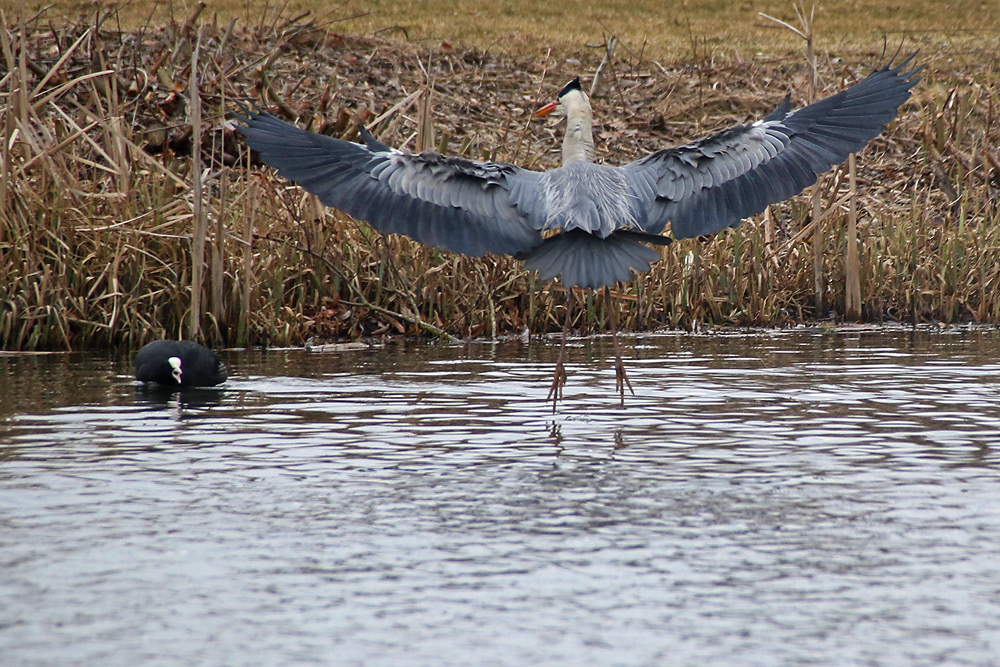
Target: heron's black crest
x=572 y=85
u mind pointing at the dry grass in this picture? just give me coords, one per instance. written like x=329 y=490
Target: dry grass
x=660 y=29
x=99 y=191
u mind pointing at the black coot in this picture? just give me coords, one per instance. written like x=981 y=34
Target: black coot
x=179 y=363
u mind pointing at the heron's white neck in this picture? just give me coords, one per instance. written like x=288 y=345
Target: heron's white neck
x=578 y=142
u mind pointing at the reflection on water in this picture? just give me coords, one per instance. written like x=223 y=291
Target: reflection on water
x=772 y=497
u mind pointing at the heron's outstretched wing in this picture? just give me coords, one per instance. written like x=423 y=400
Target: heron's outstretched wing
x=456 y=204
x=704 y=187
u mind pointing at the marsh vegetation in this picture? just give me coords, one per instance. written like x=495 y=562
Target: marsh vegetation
x=129 y=210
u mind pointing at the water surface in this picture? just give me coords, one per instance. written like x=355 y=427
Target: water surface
x=797 y=497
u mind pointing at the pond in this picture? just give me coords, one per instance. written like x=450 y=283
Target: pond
x=799 y=496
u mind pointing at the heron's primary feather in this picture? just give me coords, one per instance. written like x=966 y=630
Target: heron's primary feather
x=706 y=186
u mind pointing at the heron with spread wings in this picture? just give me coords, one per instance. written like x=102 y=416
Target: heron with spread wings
x=591 y=225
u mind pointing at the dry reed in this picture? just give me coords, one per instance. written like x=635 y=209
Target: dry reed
x=102 y=193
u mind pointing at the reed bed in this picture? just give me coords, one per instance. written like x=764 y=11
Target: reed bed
x=130 y=210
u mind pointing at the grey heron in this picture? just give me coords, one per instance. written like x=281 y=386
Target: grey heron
x=179 y=363
x=590 y=224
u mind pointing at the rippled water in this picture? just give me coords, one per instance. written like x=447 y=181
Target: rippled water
x=797 y=497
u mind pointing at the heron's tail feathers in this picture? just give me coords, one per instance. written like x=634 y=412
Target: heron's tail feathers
x=582 y=259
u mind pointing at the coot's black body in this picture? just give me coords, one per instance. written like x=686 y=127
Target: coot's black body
x=179 y=363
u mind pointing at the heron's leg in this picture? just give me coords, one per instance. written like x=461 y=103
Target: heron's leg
x=621 y=379
x=555 y=392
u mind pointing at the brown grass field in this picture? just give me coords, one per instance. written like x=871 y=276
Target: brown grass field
x=130 y=211
x=527 y=28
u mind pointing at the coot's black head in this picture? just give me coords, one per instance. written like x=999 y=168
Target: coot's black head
x=179 y=363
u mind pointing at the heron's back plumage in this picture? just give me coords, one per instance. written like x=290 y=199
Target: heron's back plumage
x=590 y=197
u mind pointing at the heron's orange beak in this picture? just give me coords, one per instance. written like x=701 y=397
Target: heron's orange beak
x=546 y=110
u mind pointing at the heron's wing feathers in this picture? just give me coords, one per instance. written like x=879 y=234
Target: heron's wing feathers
x=451 y=203
x=706 y=186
